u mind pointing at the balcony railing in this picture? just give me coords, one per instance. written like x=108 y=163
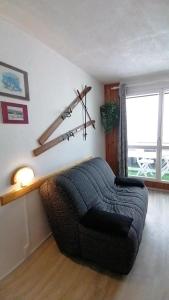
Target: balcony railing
x=143 y=161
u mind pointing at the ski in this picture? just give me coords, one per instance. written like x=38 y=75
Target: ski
x=61 y=138
x=66 y=113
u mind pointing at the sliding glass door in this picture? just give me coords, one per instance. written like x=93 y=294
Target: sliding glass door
x=148 y=136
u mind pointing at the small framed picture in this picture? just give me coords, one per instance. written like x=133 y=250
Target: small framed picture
x=13 y=82
x=13 y=113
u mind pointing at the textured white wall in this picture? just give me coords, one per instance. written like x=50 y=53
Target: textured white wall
x=52 y=80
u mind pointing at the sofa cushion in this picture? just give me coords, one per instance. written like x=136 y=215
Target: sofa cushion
x=125 y=181
x=106 y=222
x=84 y=184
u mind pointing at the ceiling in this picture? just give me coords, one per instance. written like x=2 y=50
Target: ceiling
x=110 y=39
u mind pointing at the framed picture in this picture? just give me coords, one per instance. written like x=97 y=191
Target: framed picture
x=13 y=113
x=13 y=82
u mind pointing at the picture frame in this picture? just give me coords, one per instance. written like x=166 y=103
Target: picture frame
x=14 y=113
x=13 y=82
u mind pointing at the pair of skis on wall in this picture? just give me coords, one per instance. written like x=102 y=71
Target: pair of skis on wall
x=44 y=146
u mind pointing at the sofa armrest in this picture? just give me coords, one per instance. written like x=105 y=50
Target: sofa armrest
x=106 y=222
x=125 y=181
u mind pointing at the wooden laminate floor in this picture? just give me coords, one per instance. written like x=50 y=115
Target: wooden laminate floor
x=48 y=274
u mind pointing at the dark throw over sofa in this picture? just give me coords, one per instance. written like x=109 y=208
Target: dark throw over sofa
x=79 y=199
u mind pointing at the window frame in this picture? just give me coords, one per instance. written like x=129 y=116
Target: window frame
x=143 y=91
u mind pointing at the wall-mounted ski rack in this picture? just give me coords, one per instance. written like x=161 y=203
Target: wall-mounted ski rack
x=65 y=114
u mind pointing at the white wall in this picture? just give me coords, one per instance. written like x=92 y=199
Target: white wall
x=23 y=227
x=52 y=80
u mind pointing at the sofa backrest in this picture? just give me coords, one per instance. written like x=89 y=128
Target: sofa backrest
x=84 y=184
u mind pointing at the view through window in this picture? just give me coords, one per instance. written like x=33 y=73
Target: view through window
x=148 y=136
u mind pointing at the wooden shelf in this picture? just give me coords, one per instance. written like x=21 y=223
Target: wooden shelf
x=16 y=192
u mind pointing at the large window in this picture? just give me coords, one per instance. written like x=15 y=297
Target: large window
x=148 y=135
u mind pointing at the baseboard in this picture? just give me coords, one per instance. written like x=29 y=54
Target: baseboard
x=158 y=189
x=41 y=242
x=12 y=269
x=22 y=260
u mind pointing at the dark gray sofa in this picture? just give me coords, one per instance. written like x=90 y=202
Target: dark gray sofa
x=69 y=196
